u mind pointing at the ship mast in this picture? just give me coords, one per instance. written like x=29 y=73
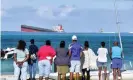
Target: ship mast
x=118 y=26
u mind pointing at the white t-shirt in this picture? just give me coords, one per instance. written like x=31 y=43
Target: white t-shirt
x=21 y=55
x=102 y=54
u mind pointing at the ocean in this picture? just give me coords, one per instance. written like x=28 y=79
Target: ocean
x=10 y=39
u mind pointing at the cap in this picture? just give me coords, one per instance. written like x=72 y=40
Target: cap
x=74 y=37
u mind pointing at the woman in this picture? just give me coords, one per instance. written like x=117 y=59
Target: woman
x=62 y=61
x=21 y=55
x=102 y=60
x=86 y=63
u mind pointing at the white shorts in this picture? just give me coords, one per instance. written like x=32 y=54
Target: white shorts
x=44 y=68
x=75 y=66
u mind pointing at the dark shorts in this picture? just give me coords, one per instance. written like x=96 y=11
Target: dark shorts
x=116 y=63
x=101 y=64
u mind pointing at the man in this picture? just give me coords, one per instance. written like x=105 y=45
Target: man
x=45 y=56
x=116 y=57
x=33 y=49
x=74 y=51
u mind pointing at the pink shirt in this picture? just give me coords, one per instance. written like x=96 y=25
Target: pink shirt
x=46 y=51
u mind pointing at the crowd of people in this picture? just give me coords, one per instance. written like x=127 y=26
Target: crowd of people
x=65 y=59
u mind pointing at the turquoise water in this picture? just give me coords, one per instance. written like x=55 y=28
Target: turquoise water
x=10 y=39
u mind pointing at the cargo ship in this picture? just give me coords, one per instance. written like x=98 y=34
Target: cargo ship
x=26 y=28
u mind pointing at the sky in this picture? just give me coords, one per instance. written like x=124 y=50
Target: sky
x=74 y=15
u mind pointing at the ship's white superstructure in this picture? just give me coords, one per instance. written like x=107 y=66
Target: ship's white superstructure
x=58 y=28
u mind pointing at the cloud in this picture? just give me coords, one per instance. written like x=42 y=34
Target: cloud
x=65 y=10
x=54 y=12
x=45 y=12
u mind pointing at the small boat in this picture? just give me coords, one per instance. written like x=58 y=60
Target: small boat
x=7 y=53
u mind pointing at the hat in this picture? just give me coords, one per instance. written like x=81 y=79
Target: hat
x=74 y=37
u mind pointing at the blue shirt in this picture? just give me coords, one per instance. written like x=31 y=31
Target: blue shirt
x=75 y=49
x=116 y=52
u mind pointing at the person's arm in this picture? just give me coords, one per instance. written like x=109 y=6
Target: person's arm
x=15 y=57
x=110 y=53
x=98 y=52
x=70 y=50
x=81 y=54
x=38 y=53
x=53 y=52
x=36 y=49
x=69 y=53
x=29 y=51
x=27 y=55
x=26 y=58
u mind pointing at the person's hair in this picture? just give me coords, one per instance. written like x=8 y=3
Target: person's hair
x=86 y=44
x=21 y=45
x=62 y=44
x=103 y=44
x=116 y=43
x=32 y=41
x=48 y=42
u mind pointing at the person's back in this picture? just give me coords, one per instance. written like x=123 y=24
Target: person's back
x=33 y=49
x=45 y=56
x=45 y=51
x=102 y=54
x=61 y=52
x=21 y=54
x=116 y=52
x=86 y=59
x=75 y=50
x=62 y=57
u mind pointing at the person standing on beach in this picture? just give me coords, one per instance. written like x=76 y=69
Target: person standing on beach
x=75 y=50
x=62 y=61
x=33 y=49
x=102 y=60
x=116 y=57
x=45 y=56
x=21 y=55
x=86 y=54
